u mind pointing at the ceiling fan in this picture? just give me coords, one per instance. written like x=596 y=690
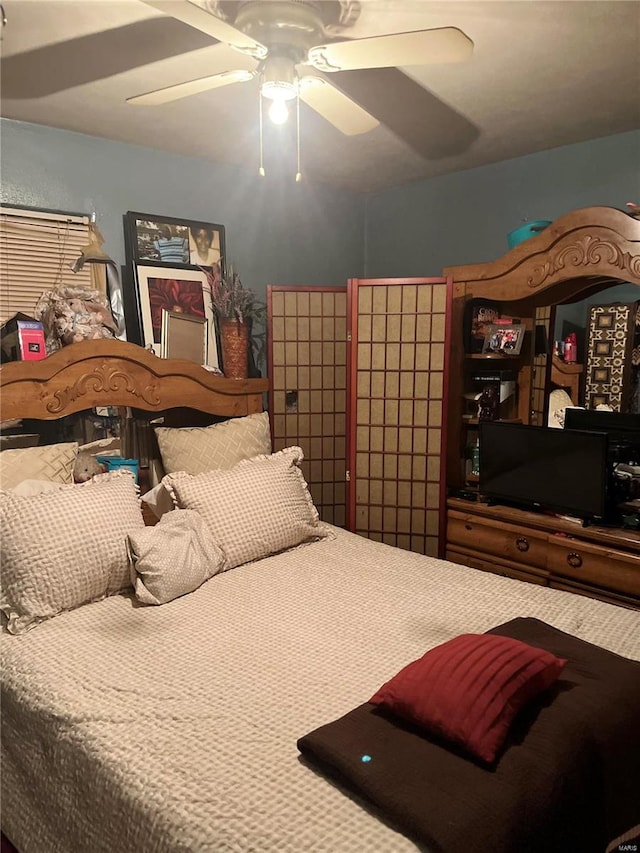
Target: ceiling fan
x=287 y=39
x=295 y=48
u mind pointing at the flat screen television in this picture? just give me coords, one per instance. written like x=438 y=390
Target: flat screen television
x=544 y=468
x=623 y=428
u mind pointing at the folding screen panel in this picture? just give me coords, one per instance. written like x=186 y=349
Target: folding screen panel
x=308 y=381
x=397 y=410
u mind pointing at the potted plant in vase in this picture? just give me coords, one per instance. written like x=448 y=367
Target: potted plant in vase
x=236 y=308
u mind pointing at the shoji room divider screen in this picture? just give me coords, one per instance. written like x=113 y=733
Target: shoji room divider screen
x=358 y=379
x=397 y=413
x=307 y=365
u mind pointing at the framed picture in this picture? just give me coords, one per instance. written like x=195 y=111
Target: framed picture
x=179 y=291
x=152 y=239
x=504 y=340
x=183 y=336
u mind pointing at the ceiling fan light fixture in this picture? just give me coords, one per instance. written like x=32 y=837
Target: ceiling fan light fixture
x=278 y=90
x=278 y=111
x=279 y=79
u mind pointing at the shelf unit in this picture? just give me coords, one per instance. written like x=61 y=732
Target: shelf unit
x=568 y=376
x=576 y=256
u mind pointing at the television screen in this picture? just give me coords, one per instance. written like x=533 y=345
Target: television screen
x=621 y=427
x=545 y=468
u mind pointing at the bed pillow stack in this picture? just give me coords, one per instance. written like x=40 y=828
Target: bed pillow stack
x=259 y=507
x=194 y=450
x=173 y=558
x=51 y=463
x=67 y=547
x=219 y=446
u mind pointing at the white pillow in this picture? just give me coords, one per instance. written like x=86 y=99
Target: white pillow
x=172 y=558
x=159 y=500
x=198 y=449
x=259 y=507
x=28 y=488
x=52 y=462
x=63 y=548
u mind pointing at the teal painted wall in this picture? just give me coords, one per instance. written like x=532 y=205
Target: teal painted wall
x=277 y=231
x=465 y=217
x=280 y=232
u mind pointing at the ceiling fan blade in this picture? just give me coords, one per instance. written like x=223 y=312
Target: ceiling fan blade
x=432 y=128
x=191 y=87
x=56 y=67
x=335 y=106
x=197 y=17
x=423 y=47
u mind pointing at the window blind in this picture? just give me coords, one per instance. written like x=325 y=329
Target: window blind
x=36 y=252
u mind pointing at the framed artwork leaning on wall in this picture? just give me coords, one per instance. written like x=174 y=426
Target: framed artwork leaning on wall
x=178 y=291
x=156 y=239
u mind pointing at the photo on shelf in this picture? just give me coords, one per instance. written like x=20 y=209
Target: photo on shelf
x=504 y=340
x=158 y=239
x=177 y=291
x=183 y=336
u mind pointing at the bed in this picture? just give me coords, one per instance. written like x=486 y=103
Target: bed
x=175 y=728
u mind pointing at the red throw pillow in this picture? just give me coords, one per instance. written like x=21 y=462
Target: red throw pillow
x=469 y=689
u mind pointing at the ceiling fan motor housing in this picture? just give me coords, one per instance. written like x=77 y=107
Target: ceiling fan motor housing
x=288 y=27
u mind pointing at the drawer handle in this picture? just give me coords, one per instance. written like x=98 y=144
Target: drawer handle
x=574 y=560
x=468 y=527
x=522 y=543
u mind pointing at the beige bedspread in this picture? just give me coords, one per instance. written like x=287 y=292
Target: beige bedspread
x=155 y=729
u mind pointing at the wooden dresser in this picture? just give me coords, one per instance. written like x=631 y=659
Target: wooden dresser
x=600 y=562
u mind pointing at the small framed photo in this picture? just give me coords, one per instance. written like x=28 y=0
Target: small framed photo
x=183 y=336
x=504 y=340
x=155 y=239
x=177 y=291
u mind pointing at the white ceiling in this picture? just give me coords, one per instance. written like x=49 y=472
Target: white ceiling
x=543 y=74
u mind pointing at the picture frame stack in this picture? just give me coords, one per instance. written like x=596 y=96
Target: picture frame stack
x=167 y=262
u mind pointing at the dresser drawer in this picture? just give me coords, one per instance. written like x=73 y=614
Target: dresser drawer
x=495 y=566
x=504 y=541
x=594 y=564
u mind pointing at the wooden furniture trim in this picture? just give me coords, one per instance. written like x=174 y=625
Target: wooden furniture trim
x=594 y=592
x=473 y=532
x=601 y=242
x=567 y=376
x=620 y=537
x=577 y=255
x=506 y=568
x=599 y=562
x=116 y=373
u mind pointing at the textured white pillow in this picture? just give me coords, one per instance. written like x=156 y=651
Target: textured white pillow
x=63 y=548
x=172 y=558
x=53 y=462
x=158 y=500
x=259 y=507
x=28 y=488
x=198 y=449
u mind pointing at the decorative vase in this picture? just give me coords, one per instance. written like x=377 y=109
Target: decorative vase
x=234 y=337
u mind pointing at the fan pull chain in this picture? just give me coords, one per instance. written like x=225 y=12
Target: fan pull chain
x=261 y=171
x=298 y=173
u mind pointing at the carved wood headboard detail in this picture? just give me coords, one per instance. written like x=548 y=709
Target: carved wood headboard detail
x=114 y=373
x=598 y=244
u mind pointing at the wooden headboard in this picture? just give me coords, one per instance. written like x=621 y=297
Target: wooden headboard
x=114 y=373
